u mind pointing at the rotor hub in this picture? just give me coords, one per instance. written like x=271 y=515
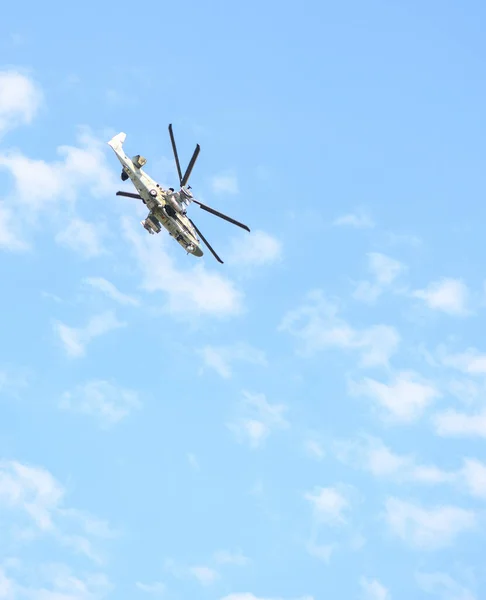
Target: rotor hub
x=186 y=194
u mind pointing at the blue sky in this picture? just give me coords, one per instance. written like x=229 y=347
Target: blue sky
x=305 y=421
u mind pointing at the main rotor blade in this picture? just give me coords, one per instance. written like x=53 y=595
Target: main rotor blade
x=176 y=156
x=188 y=172
x=206 y=242
x=218 y=214
x=129 y=195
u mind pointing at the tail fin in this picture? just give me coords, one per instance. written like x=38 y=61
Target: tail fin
x=117 y=142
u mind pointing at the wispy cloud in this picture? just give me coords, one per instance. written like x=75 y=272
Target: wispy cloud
x=75 y=339
x=471 y=361
x=378 y=459
x=110 y=290
x=330 y=505
x=102 y=400
x=450 y=296
x=358 y=220
x=453 y=423
x=472 y=477
x=372 y=589
x=427 y=528
x=35 y=493
x=249 y=596
x=372 y=455
x=9 y=236
x=222 y=358
x=322 y=552
x=157 y=588
x=225 y=183
x=443 y=586
x=384 y=271
x=314 y=449
x=225 y=557
x=205 y=575
x=255 y=249
x=403 y=400
x=261 y=418
x=317 y=326
x=52 y=581
x=82 y=237
x=12 y=380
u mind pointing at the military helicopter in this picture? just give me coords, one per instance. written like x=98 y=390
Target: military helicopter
x=167 y=208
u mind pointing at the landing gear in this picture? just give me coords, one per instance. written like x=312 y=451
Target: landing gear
x=123 y=176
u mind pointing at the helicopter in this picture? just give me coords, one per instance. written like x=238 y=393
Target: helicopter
x=167 y=208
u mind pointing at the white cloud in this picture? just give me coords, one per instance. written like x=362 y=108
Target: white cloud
x=374 y=590
x=82 y=237
x=262 y=418
x=57 y=582
x=193 y=291
x=359 y=220
x=329 y=504
x=6 y=586
x=157 y=588
x=452 y=423
x=375 y=457
x=474 y=476
x=75 y=339
x=471 y=361
x=20 y=99
x=317 y=326
x=226 y=183
x=466 y=391
x=35 y=494
x=450 y=296
x=31 y=489
x=225 y=557
x=100 y=399
x=443 y=586
x=427 y=528
x=384 y=271
x=202 y=573
x=205 y=575
x=9 y=238
x=44 y=186
x=256 y=249
x=107 y=288
x=220 y=358
x=404 y=400
x=381 y=461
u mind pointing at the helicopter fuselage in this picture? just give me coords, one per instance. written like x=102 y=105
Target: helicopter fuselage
x=165 y=208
